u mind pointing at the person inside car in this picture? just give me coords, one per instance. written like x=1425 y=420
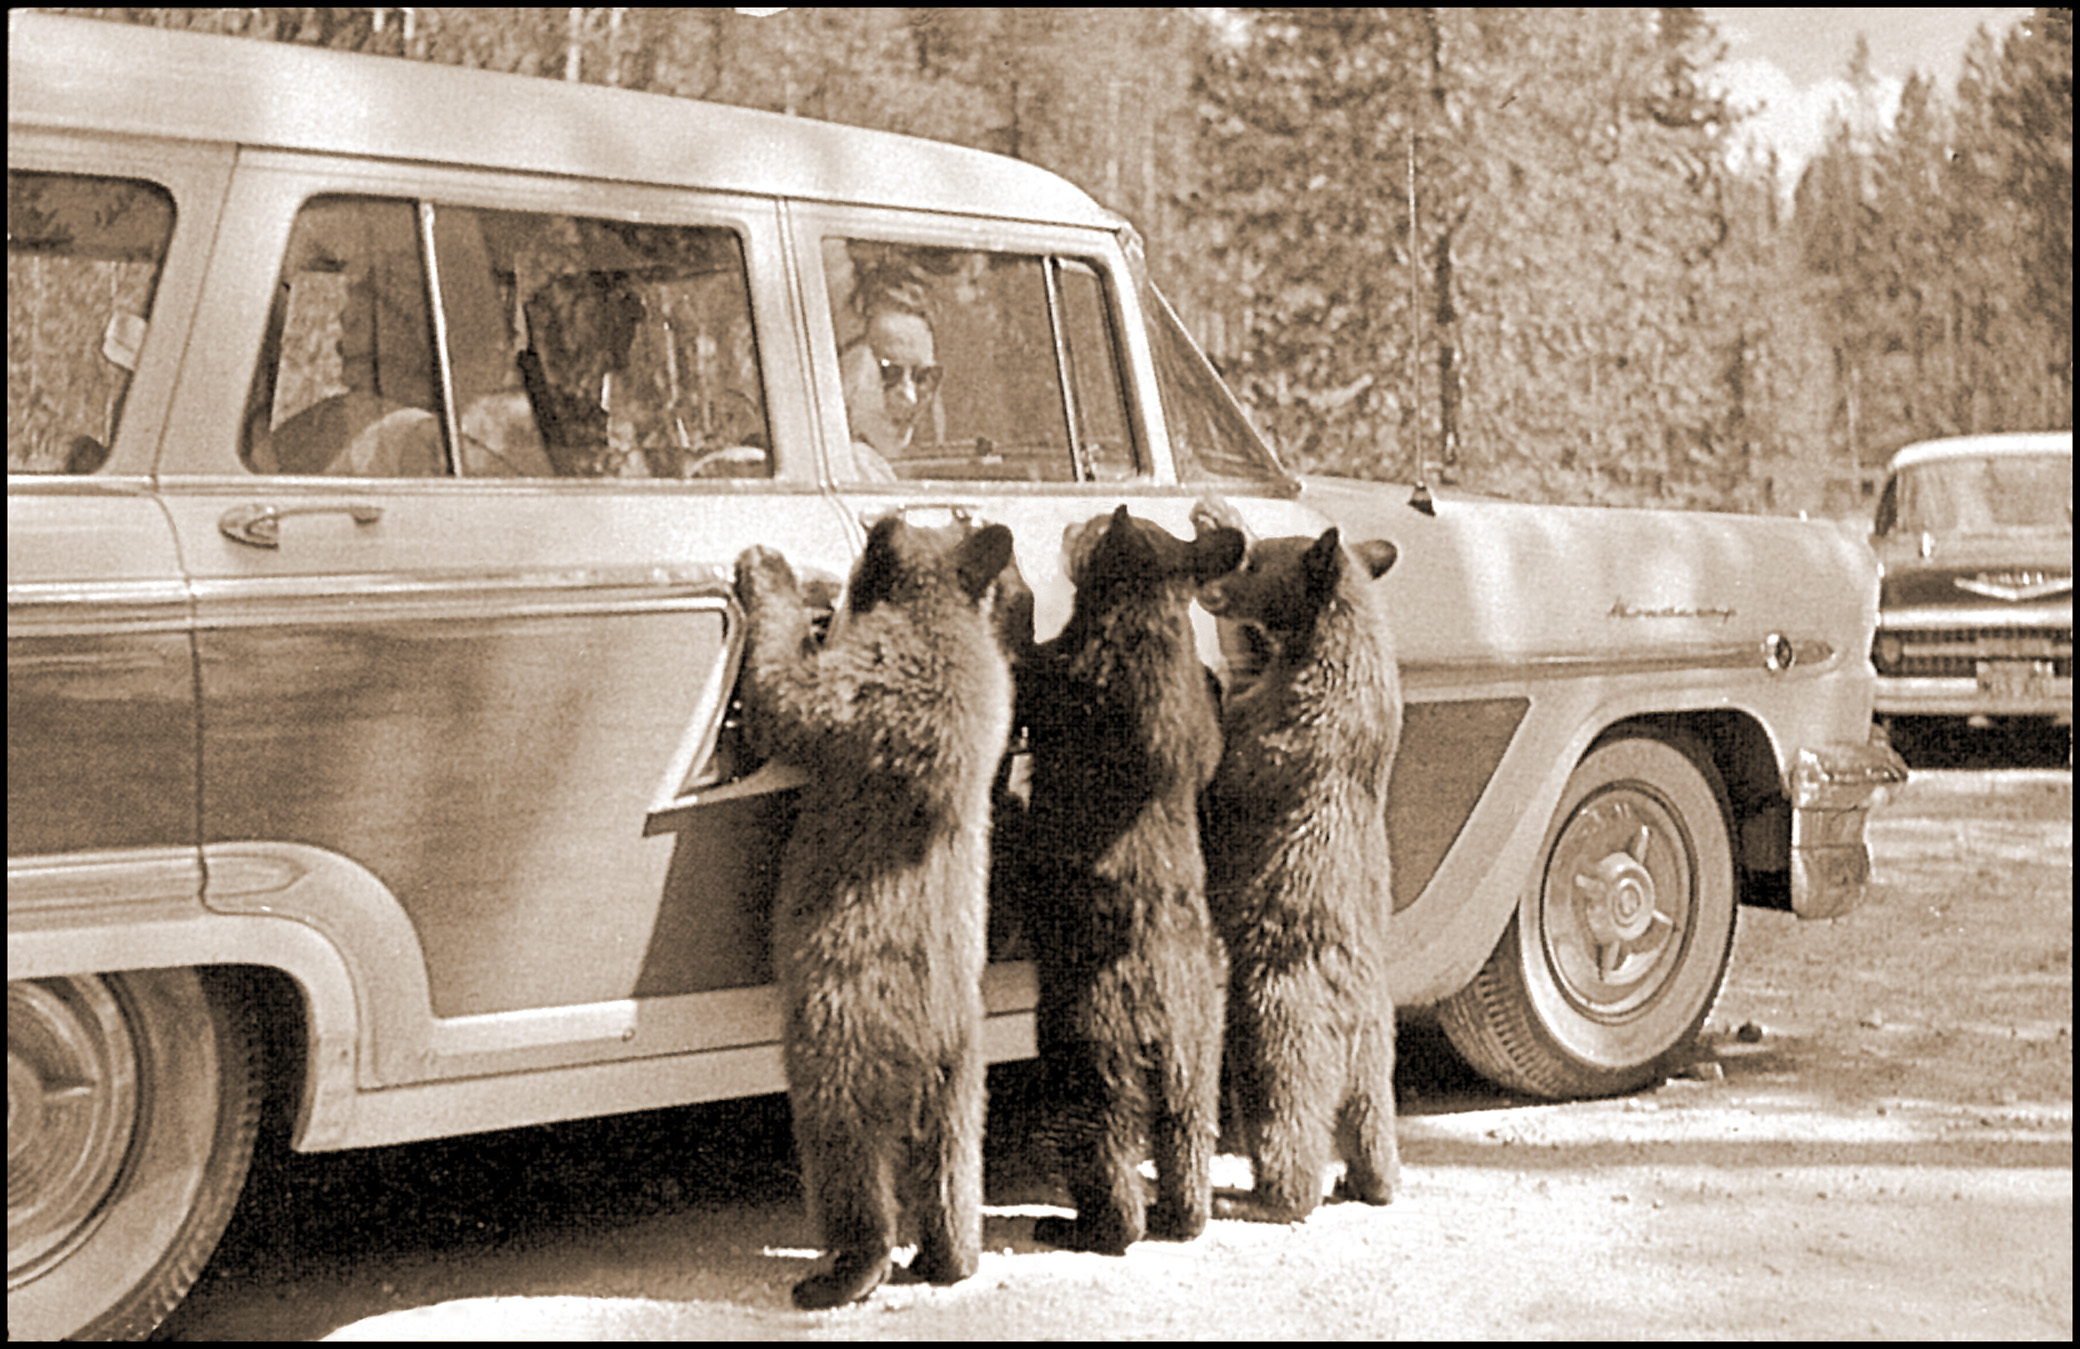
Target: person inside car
x=891 y=382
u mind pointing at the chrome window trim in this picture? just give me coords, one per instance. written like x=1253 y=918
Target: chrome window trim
x=443 y=360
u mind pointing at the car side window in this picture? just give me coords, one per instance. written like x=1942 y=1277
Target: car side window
x=968 y=365
x=345 y=382
x=566 y=347
x=1209 y=436
x=84 y=255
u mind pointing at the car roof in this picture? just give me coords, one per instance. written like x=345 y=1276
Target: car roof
x=100 y=76
x=1978 y=447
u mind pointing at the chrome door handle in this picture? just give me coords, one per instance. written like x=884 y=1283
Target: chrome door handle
x=260 y=524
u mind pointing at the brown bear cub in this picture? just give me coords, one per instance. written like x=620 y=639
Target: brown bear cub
x=1296 y=872
x=1125 y=734
x=879 y=918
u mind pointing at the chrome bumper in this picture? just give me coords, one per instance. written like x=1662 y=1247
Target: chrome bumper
x=2032 y=695
x=1832 y=789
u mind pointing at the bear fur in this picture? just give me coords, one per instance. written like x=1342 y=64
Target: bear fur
x=1297 y=871
x=1124 y=735
x=900 y=719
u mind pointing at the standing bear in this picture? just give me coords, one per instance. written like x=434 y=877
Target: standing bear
x=899 y=720
x=1296 y=871
x=1125 y=734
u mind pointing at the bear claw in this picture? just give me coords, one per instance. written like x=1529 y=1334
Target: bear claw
x=941 y=1269
x=1175 y=1223
x=848 y=1280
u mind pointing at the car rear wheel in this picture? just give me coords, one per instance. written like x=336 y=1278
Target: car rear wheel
x=1619 y=946
x=132 y=1104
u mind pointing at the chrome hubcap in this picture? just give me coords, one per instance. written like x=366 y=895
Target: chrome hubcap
x=72 y=1103
x=1618 y=897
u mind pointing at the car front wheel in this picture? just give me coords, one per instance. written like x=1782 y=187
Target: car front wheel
x=132 y=1104
x=1621 y=941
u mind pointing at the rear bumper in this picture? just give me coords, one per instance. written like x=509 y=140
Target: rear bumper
x=1832 y=788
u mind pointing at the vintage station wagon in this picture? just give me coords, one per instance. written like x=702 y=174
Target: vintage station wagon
x=380 y=437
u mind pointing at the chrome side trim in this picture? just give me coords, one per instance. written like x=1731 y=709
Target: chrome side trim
x=768 y=778
x=1808 y=652
x=92 y=882
x=375 y=597
x=696 y=749
x=746 y=1062
x=88 y=608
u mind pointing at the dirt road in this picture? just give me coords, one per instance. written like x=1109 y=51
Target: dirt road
x=1884 y=1151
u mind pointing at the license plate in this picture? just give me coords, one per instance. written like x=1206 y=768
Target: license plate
x=2015 y=678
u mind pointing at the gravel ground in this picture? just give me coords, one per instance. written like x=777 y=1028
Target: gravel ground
x=1875 y=1143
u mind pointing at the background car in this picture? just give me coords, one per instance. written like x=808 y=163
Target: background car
x=1975 y=618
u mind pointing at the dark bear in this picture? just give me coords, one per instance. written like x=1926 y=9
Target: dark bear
x=1125 y=734
x=1297 y=871
x=900 y=719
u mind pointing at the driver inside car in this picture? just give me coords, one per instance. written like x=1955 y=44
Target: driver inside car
x=891 y=382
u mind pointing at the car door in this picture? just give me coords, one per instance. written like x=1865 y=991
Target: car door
x=461 y=551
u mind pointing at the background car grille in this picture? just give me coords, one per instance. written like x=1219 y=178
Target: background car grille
x=1956 y=652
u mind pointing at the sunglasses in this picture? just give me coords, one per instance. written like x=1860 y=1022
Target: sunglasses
x=923 y=378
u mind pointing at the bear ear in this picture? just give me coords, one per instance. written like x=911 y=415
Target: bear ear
x=980 y=557
x=1130 y=545
x=1323 y=563
x=874 y=579
x=1377 y=555
x=1216 y=552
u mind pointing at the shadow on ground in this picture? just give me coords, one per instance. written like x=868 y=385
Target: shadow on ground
x=321 y=1217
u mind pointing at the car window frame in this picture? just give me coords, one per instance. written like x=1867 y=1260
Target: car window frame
x=809 y=223
x=272 y=187
x=197 y=176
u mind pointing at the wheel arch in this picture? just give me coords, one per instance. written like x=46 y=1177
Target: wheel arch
x=1739 y=747
x=105 y=913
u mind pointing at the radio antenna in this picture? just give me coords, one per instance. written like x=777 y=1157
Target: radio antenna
x=1420 y=498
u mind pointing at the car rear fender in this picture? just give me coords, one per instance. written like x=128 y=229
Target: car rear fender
x=103 y=912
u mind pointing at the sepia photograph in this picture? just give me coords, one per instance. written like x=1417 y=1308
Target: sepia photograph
x=1040 y=673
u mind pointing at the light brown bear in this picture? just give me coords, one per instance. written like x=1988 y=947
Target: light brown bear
x=1297 y=871
x=900 y=720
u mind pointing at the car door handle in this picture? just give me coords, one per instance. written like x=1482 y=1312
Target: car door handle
x=260 y=524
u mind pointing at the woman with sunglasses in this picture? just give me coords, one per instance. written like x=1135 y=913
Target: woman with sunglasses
x=891 y=383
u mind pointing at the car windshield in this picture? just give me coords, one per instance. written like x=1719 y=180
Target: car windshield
x=1980 y=494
